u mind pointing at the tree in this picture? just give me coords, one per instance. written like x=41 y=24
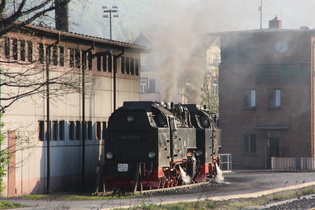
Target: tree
x=209 y=93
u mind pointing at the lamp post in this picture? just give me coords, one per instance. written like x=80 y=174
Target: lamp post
x=109 y=14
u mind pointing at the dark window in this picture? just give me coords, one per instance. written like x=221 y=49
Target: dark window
x=105 y=57
x=78 y=130
x=41 y=132
x=274 y=98
x=110 y=61
x=99 y=62
x=90 y=59
x=22 y=50
x=132 y=66
x=84 y=59
x=30 y=51
x=71 y=130
x=98 y=130
x=249 y=143
x=41 y=53
x=48 y=55
x=15 y=49
x=127 y=66
x=77 y=59
x=62 y=128
x=122 y=65
x=61 y=56
x=89 y=130
x=250 y=99
x=55 y=130
x=137 y=67
x=55 y=56
x=71 y=57
x=7 y=47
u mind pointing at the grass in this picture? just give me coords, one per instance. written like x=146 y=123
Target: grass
x=8 y=205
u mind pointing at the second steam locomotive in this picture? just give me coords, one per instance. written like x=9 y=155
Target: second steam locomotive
x=152 y=145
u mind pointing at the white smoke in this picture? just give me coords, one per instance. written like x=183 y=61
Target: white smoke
x=186 y=178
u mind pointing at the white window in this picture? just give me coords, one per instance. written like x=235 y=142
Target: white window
x=143 y=85
x=250 y=99
x=274 y=98
x=143 y=58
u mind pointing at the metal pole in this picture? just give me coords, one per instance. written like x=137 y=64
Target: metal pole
x=84 y=128
x=48 y=118
x=110 y=23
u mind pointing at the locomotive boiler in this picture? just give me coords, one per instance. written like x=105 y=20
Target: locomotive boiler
x=151 y=145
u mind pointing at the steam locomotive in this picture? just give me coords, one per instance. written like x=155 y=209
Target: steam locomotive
x=152 y=145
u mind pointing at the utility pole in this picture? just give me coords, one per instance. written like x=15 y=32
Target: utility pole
x=111 y=11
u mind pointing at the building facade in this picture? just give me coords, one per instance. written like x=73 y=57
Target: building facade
x=72 y=81
x=267 y=94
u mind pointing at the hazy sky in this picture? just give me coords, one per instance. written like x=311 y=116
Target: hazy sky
x=199 y=16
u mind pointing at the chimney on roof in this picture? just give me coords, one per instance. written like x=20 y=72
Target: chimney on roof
x=275 y=23
x=62 y=16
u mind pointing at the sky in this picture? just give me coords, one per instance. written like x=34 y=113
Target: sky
x=202 y=16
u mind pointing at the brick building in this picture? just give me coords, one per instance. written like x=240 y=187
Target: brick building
x=267 y=94
x=31 y=52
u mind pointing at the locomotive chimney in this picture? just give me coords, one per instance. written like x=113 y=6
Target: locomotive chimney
x=275 y=23
x=62 y=15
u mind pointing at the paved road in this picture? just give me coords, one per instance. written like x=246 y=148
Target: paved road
x=239 y=184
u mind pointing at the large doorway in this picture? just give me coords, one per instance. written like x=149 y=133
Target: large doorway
x=272 y=150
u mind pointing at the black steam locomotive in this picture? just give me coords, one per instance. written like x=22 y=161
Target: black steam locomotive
x=152 y=145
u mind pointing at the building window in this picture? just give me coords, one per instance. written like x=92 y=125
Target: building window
x=143 y=58
x=22 y=50
x=41 y=132
x=105 y=57
x=55 y=56
x=89 y=130
x=7 y=47
x=55 y=130
x=109 y=63
x=132 y=66
x=90 y=59
x=98 y=130
x=62 y=128
x=250 y=144
x=77 y=59
x=127 y=65
x=122 y=61
x=78 y=130
x=104 y=129
x=250 y=99
x=30 y=51
x=15 y=49
x=71 y=57
x=41 y=53
x=61 y=56
x=137 y=67
x=274 y=97
x=71 y=130
x=144 y=85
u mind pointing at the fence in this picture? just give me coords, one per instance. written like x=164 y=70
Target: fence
x=225 y=162
x=292 y=164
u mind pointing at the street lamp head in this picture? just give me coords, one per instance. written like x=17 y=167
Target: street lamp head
x=104 y=7
x=105 y=16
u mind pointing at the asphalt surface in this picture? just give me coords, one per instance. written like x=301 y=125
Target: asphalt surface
x=238 y=184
